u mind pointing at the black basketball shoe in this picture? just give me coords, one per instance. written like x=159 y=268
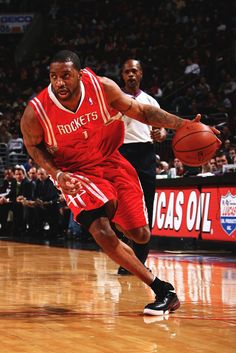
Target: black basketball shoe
x=122 y=271
x=163 y=305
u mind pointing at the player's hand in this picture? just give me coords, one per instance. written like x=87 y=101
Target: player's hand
x=68 y=184
x=158 y=134
x=197 y=120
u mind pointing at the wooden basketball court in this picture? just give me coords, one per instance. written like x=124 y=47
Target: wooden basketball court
x=68 y=300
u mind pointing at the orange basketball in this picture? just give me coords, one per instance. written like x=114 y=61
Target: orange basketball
x=195 y=144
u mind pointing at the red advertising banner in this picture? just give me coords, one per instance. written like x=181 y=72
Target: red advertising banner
x=177 y=213
x=222 y=212
x=188 y=212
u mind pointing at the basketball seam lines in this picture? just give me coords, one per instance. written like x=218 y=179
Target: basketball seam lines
x=195 y=132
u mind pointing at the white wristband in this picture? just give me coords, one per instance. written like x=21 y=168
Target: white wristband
x=58 y=174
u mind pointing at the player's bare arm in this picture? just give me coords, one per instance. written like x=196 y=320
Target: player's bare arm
x=145 y=113
x=33 y=140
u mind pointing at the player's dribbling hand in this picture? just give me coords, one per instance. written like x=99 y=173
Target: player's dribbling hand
x=197 y=120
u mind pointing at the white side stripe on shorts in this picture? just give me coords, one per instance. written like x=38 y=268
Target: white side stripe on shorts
x=91 y=187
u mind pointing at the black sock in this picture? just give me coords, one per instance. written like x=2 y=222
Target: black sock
x=141 y=251
x=160 y=287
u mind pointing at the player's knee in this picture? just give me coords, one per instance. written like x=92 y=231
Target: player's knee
x=140 y=235
x=144 y=236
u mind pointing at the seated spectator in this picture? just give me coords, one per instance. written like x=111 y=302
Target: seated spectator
x=15 y=144
x=15 y=147
x=213 y=166
x=9 y=183
x=46 y=204
x=191 y=67
x=206 y=170
x=162 y=168
x=19 y=189
x=23 y=191
x=228 y=86
x=231 y=154
x=30 y=214
x=178 y=165
x=29 y=164
x=221 y=159
x=226 y=146
x=5 y=135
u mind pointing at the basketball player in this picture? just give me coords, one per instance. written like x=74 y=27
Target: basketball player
x=73 y=129
x=138 y=147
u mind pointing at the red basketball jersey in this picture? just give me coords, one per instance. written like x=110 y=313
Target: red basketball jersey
x=85 y=144
x=81 y=139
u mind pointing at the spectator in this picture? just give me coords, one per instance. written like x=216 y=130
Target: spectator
x=29 y=203
x=221 y=159
x=29 y=164
x=206 y=170
x=162 y=168
x=228 y=85
x=213 y=166
x=6 y=197
x=226 y=146
x=20 y=190
x=5 y=135
x=47 y=204
x=191 y=67
x=231 y=154
x=178 y=165
x=15 y=144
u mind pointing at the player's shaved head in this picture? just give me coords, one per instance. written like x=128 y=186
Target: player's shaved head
x=64 y=56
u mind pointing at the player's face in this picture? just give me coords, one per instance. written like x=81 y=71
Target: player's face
x=65 y=81
x=132 y=74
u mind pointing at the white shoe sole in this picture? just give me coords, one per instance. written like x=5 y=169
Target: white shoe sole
x=155 y=312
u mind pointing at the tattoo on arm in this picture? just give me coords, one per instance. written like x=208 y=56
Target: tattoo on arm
x=160 y=118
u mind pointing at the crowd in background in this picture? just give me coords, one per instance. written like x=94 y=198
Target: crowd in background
x=186 y=49
x=30 y=203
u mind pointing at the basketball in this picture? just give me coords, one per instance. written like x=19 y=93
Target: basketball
x=195 y=144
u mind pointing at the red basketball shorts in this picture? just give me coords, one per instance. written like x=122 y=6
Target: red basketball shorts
x=113 y=179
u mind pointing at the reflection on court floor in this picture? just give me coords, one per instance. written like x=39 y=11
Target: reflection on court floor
x=198 y=278
x=66 y=299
